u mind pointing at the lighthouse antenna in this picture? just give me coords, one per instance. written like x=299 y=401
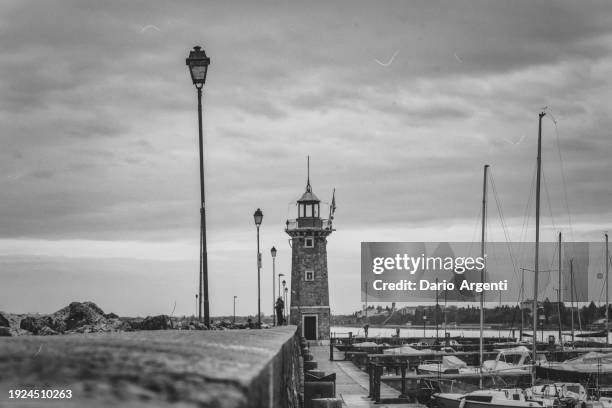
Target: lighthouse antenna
x=308 y=188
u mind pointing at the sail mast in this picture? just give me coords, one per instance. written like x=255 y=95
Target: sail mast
x=559 y=293
x=436 y=314
x=607 y=303
x=537 y=249
x=482 y=271
x=522 y=297
x=572 y=296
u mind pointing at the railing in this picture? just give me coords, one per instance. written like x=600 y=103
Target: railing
x=309 y=223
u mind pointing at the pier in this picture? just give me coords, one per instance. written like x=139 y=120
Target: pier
x=352 y=384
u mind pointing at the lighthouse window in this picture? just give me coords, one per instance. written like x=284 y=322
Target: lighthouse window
x=309 y=210
x=309 y=242
x=309 y=275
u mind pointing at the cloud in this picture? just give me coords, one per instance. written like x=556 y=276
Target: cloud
x=100 y=132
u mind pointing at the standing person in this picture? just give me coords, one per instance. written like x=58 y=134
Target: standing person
x=280 y=306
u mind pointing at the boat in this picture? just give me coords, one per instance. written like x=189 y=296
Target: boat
x=508 y=361
x=516 y=359
x=545 y=395
x=561 y=394
x=448 y=365
x=590 y=368
x=502 y=398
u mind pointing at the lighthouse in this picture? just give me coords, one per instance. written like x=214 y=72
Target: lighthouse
x=309 y=277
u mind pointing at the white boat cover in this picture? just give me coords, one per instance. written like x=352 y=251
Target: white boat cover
x=453 y=362
x=404 y=350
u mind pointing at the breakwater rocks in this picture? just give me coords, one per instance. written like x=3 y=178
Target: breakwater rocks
x=80 y=317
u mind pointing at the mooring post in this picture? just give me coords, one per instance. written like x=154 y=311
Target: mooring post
x=403 y=368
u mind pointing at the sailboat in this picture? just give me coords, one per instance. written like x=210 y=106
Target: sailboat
x=487 y=398
x=592 y=367
x=508 y=397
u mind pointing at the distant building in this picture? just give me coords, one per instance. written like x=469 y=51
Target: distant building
x=408 y=311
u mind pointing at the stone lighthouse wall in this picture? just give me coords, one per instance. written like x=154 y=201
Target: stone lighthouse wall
x=310 y=297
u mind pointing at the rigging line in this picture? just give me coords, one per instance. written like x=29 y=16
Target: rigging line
x=530 y=199
x=475 y=232
x=577 y=303
x=526 y=215
x=503 y=223
x=569 y=215
x=552 y=218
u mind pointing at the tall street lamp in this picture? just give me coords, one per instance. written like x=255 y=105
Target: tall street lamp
x=258 y=216
x=424 y=324
x=198 y=64
x=235 y=308
x=273 y=253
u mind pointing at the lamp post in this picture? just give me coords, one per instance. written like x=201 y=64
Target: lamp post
x=279 y=284
x=273 y=253
x=235 y=308
x=258 y=216
x=286 y=306
x=279 y=290
x=198 y=64
x=424 y=325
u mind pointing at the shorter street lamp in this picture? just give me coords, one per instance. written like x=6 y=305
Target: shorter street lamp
x=273 y=253
x=424 y=324
x=279 y=283
x=235 y=308
x=286 y=305
x=258 y=217
x=279 y=292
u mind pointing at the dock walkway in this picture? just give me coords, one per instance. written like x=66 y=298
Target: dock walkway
x=352 y=383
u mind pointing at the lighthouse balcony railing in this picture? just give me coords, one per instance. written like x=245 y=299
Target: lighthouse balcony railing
x=309 y=223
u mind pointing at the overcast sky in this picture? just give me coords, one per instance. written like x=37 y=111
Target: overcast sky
x=399 y=105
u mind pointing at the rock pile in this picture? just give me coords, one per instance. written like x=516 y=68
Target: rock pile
x=161 y=322
x=77 y=317
x=87 y=317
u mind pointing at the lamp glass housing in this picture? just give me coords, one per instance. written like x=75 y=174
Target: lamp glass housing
x=198 y=64
x=258 y=217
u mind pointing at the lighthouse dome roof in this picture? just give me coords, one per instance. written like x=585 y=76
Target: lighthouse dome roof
x=309 y=196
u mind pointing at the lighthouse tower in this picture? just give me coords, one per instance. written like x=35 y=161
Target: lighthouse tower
x=309 y=286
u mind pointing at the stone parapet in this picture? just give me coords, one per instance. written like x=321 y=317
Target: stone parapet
x=233 y=368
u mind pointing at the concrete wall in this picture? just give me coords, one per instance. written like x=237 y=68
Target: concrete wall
x=221 y=369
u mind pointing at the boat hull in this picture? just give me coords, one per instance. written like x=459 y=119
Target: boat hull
x=447 y=400
x=443 y=400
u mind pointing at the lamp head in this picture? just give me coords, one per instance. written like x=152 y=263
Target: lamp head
x=198 y=64
x=258 y=216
